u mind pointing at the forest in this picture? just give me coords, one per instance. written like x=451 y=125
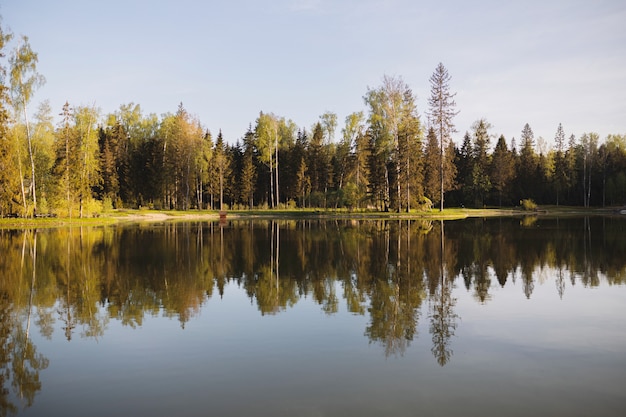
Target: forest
x=387 y=157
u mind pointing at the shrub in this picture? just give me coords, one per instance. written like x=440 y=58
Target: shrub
x=528 y=204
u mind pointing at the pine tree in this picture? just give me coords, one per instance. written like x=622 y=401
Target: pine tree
x=528 y=164
x=441 y=114
x=220 y=162
x=502 y=168
x=480 y=181
x=432 y=158
x=248 y=174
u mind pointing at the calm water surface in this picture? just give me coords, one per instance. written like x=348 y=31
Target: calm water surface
x=478 y=317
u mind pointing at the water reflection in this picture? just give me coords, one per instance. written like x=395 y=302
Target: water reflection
x=392 y=272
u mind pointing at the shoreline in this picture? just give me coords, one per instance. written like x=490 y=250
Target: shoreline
x=129 y=216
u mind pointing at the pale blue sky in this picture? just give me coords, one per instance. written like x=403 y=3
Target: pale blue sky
x=538 y=62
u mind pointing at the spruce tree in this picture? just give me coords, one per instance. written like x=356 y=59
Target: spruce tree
x=441 y=114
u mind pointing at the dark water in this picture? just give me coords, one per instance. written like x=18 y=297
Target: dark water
x=507 y=317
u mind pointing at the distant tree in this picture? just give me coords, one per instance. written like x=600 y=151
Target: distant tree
x=441 y=114
x=615 y=169
x=527 y=164
x=464 y=168
x=502 y=168
x=65 y=151
x=570 y=167
x=480 y=162
x=110 y=140
x=589 y=149
x=221 y=164
x=266 y=131
x=560 y=166
x=318 y=161
x=432 y=156
x=346 y=166
x=361 y=172
x=410 y=156
x=303 y=182
x=248 y=174
x=329 y=124
x=85 y=124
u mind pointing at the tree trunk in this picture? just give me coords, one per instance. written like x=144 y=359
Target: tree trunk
x=277 y=193
x=19 y=164
x=32 y=162
x=441 y=175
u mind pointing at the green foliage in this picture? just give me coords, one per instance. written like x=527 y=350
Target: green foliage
x=381 y=161
x=528 y=204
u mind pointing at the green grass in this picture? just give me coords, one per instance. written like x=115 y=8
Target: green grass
x=137 y=215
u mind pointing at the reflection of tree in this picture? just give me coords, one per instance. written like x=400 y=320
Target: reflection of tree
x=85 y=276
x=442 y=315
x=26 y=364
x=6 y=344
x=271 y=292
x=20 y=363
x=396 y=297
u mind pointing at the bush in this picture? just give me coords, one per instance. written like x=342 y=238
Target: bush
x=107 y=204
x=424 y=204
x=528 y=205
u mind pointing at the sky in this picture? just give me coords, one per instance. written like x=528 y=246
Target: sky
x=512 y=62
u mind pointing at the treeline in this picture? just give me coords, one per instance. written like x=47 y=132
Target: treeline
x=384 y=158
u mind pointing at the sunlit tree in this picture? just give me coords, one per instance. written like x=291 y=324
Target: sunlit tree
x=441 y=114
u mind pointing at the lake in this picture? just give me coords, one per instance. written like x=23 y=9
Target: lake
x=477 y=317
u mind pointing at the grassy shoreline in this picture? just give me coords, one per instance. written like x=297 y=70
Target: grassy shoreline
x=125 y=216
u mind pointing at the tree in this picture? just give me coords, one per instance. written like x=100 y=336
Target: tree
x=527 y=164
x=329 y=124
x=480 y=182
x=502 y=168
x=589 y=149
x=88 y=157
x=432 y=156
x=345 y=166
x=464 y=167
x=570 y=165
x=410 y=158
x=267 y=143
x=248 y=173
x=64 y=166
x=318 y=162
x=24 y=81
x=221 y=164
x=362 y=157
x=560 y=166
x=303 y=182
x=441 y=114
x=9 y=176
x=110 y=141
x=393 y=114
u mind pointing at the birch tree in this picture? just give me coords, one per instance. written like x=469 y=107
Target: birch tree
x=85 y=124
x=267 y=142
x=24 y=81
x=560 y=168
x=9 y=182
x=589 y=148
x=392 y=108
